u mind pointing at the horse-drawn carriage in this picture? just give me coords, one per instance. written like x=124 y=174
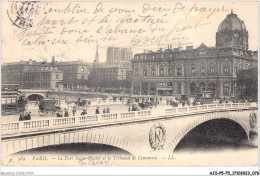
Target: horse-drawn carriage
x=83 y=103
x=48 y=107
x=146 y=105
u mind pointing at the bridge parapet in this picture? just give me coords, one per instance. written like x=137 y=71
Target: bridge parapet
x=54 y=123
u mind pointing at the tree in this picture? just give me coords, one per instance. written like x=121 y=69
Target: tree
x=247 y=82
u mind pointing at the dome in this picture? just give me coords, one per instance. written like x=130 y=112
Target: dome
x=231 y=23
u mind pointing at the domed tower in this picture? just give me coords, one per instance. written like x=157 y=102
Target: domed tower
x=232 y=33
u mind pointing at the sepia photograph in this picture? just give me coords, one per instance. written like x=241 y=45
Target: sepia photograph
x=129 y=83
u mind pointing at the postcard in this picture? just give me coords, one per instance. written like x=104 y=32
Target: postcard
x=129 y=83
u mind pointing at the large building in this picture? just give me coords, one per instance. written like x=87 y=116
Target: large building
x=43 y=78
x=42 y=75
x=187 y=72
x=75 y=74
x=117 y=55
x=13 y=73
x=108 y=73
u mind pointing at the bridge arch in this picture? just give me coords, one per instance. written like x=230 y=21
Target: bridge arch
x=35 y=96
x=57 y=139
x=198 y=122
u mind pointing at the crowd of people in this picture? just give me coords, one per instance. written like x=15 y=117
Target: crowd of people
x=134 y=103
x=25 y=116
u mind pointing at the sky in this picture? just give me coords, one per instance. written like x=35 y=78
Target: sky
x=71 y=30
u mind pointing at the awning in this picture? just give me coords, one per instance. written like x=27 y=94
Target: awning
x=164 y=88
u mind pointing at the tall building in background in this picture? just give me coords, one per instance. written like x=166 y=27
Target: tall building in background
x=194 y=70
x=126 y=54
x=117 y=55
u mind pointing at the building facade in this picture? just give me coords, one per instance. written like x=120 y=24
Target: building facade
x=13 y=73
x=193 y=70
x=43 y=78
x=72 y=75
x=75 y=74
x=108 y=73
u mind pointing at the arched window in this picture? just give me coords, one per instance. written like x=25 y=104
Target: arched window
x=193 y=88
x=170 y=71
x=226 y=88
x=137 y=69
x=226 y=70
x=161 y=70
x=145 y=71
x=153 y=71
x=179 y=71
x=193 y=70
x=211 y=86
x=202 y=86
x=202 y=71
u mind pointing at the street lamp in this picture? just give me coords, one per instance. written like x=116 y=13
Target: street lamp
x=130 y=99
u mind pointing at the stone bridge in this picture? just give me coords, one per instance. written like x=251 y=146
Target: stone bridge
x=32 y=94
x=149 y=132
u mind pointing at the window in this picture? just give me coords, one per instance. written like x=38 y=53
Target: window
x=226 y=70
x=136 y=71
x=170 y=84
x=212 y=70
x=170 y=71
x=161 y=84
x=202 y=71
x=153 y=71
x=161 y=70
x=145 y=72
x=82 y=76
x=193 y=70
x=179 y=71
x=57 y=76
x=226 y=88
x=82 y=69
x=162 y=55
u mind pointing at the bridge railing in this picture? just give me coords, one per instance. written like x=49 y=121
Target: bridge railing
x=128 y=115
x=55 y=123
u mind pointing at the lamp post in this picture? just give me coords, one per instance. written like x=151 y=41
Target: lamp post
x=130 y=99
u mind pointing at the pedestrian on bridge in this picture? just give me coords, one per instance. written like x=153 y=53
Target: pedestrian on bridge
x=74 y=110
x=66 y=114
x=21 y=117
x=97 y=110
x=84 y=112
x=108 y=110
x=27 y=116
